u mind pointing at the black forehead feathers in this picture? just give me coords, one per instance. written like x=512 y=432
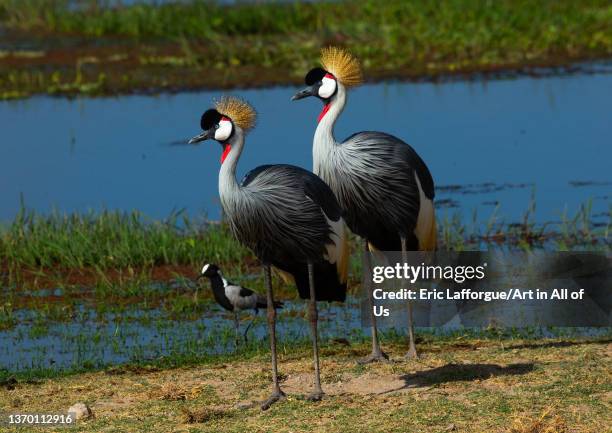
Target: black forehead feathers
x=314 y=76
x=209 y=119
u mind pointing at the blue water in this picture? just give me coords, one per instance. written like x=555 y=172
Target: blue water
x=523 y=136
x=92 y=339
x=98 y=340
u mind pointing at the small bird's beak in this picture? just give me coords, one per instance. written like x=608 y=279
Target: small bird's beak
x=304 y=93
x=203 y=136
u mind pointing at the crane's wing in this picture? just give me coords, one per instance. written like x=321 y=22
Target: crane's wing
x=390 y=191
x=398 y=151
x=300 y=219
x=338 y=251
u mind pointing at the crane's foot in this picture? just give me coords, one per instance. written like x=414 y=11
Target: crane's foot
x=411 y=354
x=315 y=395
x=379 y=356
x=276 y=396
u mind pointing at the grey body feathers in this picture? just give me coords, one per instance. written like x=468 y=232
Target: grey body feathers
x=373 y=177
x=278 y=215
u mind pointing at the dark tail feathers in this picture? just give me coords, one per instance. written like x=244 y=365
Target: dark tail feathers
x=328 y=286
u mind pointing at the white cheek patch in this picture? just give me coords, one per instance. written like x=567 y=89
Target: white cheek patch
x=224 y=131
x=328 y=87
x=205 y=268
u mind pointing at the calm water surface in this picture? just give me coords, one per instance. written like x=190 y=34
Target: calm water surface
x=500 y=141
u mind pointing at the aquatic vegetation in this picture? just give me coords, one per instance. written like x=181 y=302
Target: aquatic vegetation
x=275 y=42
x=113 y=240
x=103 y=280
x=120 y=256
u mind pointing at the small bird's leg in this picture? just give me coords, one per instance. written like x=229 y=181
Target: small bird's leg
x=277 y=393
x=317 y=393
x=377 y=354
x=412 y=353
x=236 y=327
x=249 y=327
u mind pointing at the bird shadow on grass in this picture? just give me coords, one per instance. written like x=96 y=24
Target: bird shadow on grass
x=557 y=344
x=462 y=372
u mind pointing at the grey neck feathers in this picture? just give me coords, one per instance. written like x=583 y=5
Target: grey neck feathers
x=324 y=141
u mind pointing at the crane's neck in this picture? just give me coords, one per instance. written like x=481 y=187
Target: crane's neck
x=228 y=186
x=324 y=142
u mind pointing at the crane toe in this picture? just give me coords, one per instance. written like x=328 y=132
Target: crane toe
x=411 y=354
x=276 y=396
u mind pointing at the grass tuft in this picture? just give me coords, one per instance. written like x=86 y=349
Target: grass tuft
x=545 y=423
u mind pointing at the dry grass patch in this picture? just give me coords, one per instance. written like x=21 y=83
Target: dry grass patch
x=545 y=423
x=203 y=415
x=486 y=389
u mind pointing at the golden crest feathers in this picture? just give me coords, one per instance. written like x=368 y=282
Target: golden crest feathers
x=343 y=65
x=240 y=111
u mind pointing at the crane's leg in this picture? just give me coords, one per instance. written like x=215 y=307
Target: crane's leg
x=412 y=353
x=277 y=393
x=317 y=393
x=377 y=354
x=236 y=328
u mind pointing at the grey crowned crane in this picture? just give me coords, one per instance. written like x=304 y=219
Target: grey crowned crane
x=287 y=216
x=234 y=297
x=383 y=186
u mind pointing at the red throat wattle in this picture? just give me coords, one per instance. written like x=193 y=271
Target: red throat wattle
x=323 y=112
x=226 y=151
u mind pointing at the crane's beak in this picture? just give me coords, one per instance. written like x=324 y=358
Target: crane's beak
x=304 y=93
x=203 y=136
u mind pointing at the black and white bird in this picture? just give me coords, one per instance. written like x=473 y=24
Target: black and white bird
x=383 y=186
x=287 y=216
x=233 y=297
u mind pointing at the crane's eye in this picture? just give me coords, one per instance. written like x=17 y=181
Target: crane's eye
x=217 y=126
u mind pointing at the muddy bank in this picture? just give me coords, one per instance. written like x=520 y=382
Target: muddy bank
x=107 y=67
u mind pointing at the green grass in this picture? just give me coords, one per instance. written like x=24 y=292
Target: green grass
x=458 y=384
x=449 y=27
x=132 y=244
x=113 y=240
x=207 y=44
x=113 y=261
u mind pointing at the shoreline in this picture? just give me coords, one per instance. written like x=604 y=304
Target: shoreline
x=264 y=79
x=146 y=49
